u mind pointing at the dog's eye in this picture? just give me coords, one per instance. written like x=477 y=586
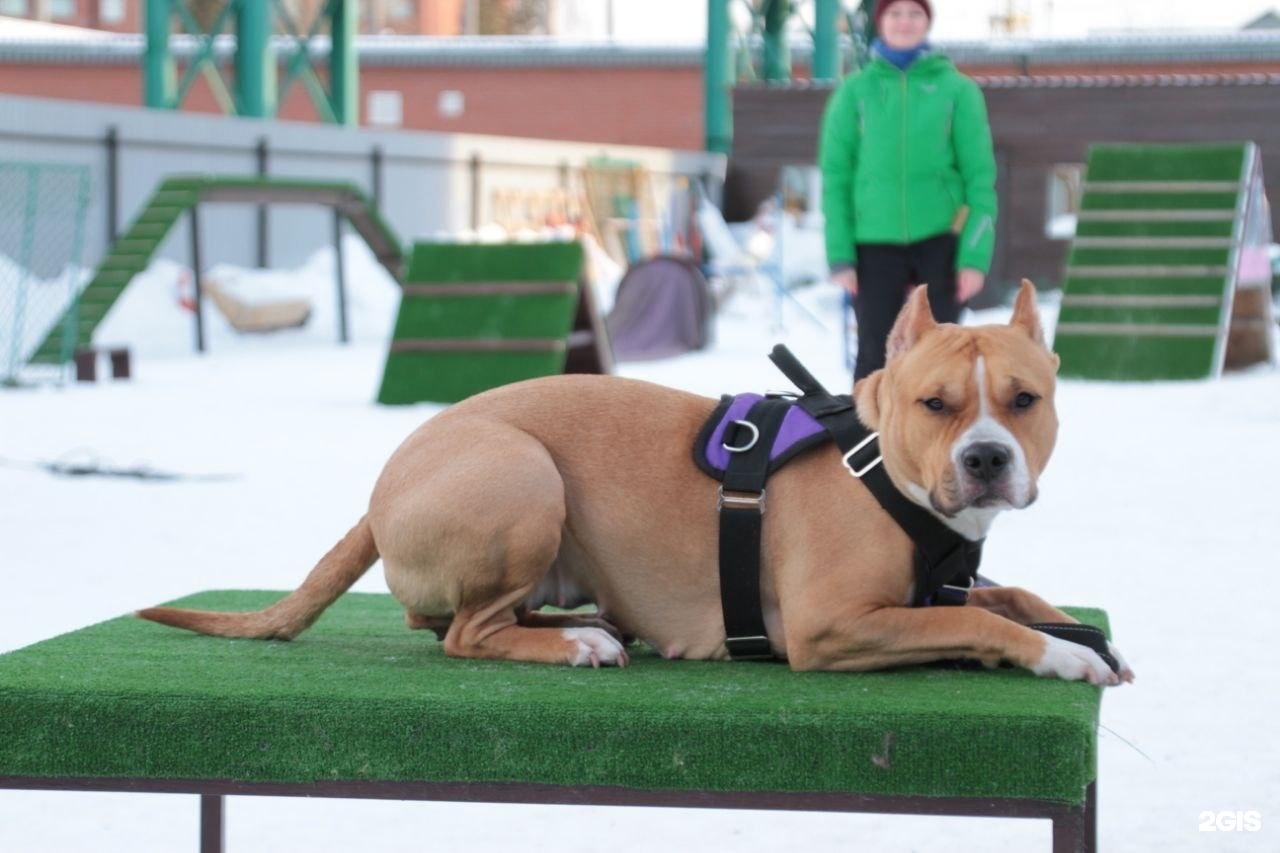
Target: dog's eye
x=1024 y=400
x=934 y=404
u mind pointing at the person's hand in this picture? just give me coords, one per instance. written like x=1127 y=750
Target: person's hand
x=846 y=279
x=969 y=284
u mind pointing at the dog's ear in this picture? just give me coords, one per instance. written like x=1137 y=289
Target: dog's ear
x=915 y=318
x=1025 y=314
x=866 y=394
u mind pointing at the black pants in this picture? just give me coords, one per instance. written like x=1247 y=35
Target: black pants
x=886 y=274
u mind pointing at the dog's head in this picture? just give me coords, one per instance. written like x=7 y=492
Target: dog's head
x=965 y=415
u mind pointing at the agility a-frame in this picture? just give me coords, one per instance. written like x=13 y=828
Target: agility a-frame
x=1169 y=276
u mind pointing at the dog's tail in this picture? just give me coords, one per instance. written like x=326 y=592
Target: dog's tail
x=293 y=614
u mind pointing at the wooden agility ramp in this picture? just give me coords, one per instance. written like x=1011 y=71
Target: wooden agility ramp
x=1169 y=275
x=476 y=316
x=183 y=194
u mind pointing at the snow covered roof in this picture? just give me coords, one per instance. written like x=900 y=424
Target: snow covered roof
x=21 y=28
x=38 y=45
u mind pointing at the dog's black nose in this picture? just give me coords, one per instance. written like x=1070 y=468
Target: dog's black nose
x=986 y=461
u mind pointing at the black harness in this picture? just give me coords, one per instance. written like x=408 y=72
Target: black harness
x=945 y=563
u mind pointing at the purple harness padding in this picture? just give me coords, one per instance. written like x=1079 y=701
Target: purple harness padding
x=799 y=430
x=797 y=426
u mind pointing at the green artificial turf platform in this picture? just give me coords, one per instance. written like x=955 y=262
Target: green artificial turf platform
x=362 y=697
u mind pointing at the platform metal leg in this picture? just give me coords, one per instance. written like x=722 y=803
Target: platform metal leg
x=211 y=823
x=1077 y=830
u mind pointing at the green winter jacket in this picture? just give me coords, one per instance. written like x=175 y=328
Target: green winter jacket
x=901 y=153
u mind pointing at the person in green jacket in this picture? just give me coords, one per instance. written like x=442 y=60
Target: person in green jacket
x=909 y=179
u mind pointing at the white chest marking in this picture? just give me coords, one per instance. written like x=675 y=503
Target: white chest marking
x=986 y=428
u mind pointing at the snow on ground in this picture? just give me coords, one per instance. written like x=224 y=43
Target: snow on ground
x=1159 y=505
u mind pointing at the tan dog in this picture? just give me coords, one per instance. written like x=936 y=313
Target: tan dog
x=575 y=489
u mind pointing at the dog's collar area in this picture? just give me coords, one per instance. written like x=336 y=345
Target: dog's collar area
x=750 y=436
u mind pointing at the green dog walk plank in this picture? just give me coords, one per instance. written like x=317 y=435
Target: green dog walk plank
x=176 y=195
x=360 y=696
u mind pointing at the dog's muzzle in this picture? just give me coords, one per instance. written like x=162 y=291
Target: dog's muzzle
x=987 y=477
x=986 y=461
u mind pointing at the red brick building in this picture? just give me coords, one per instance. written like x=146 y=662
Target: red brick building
x=406 y=17
x=585 y=91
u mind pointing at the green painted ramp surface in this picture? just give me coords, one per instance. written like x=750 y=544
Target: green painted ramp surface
x=135 y=248
x=1156 y=260
x=476 y=316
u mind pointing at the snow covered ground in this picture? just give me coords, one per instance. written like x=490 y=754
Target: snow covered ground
x=1159 y=505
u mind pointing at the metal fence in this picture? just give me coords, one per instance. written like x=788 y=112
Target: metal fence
x=42 y=224
x=424 y=183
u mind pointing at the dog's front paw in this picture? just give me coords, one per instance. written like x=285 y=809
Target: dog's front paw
x=595 y=646
x=1126 y=671
x=1073 y=662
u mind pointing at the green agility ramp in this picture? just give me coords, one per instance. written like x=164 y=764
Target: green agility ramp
x=1168 y=277
x=360 y=697
x=177 y=195
x=475 y=316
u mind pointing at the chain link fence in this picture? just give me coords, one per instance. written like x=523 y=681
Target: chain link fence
x=42 y=218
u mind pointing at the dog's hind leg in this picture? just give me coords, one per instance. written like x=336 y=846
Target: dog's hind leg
x=471 y=511
x=438 y=624
x=492 y=631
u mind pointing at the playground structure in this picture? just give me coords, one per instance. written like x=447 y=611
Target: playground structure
x=254 y=92
x=1169 y=275
x=729 y=53
x=184 y=194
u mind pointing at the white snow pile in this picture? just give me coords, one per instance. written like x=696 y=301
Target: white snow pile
x=155 y=315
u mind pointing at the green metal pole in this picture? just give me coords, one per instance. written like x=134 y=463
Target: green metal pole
x=826 y=40
x=777 y=54
x=344 y=63
x=255 y=61
x=159 y=77
x=717 y=78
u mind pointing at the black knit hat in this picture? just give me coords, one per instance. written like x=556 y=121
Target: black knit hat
x=883 y=5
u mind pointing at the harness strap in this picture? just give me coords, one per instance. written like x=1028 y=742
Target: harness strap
x=945 y=563
x=741 y=507
x=1085 y=635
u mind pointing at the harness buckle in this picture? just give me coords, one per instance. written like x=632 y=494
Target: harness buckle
x=743 y=448
x=859 y=473
x=749 y=648
x=960 y=593
x=741 y=500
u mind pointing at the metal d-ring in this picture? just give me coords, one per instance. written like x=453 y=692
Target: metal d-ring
x=755 y=436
